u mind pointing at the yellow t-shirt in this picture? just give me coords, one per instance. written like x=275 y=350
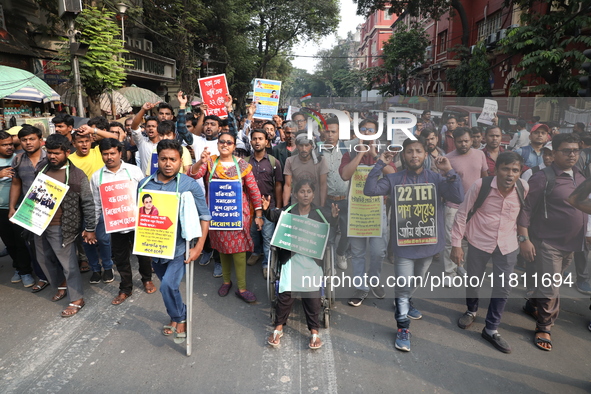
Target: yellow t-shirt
x=186 y=159
x=89 y=163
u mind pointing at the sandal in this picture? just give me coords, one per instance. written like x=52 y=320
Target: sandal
x=170 y=328
x=73 y=308
x=84 y=267
x=277 y=334
x=315 y=337
x=530 y=310
x=38 y=287
x=538 y=341
x=61 y=293
x=179 y=337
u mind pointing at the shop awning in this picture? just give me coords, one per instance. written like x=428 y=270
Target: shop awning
x=17 y=84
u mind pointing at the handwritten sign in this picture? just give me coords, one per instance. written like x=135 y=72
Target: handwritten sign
x=118 y=203
x=225 y=204
x=156 y=224
x=301 y=235
x=213 y=92
x=266 y=95
x=40 y=204
x=365 y=213
x=416 y=214
x=489 y=111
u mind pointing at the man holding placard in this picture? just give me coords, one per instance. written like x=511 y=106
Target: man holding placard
x=114 y=190
x=166 y=185
x=417 y=220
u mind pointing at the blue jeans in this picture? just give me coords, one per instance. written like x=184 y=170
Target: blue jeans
x=377 y=252
x=101 y=249
x=407 y=268
x=262 y=239
x=341 y=248
x=170 y=273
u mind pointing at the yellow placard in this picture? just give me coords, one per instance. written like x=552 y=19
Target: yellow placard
x=365 y=213
x=156 y=224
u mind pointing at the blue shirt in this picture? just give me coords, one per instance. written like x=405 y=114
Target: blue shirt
x=186 y=184
x=448 y=188
x=530 y=157
x=5 y=183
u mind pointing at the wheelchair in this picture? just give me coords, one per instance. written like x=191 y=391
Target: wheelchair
x=327 y=294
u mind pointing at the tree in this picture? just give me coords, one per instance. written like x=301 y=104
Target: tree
x=550 y=44
x=471 y=77
x=103 y=67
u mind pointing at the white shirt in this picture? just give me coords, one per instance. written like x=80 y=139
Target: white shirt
x=521 y=138
x=199 y=144
x=145 y=148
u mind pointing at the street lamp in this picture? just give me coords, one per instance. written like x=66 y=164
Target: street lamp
x=122 y=7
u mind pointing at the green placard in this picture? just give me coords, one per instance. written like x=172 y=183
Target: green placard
x=301 y=235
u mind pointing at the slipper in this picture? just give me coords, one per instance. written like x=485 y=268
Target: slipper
x=84 y=267
x=36 y=288
x=314 y=338
x=58 y=296
x=179 y=337
x=276 y=333
x=72 y=307
x=538 y=341
x=171 y=328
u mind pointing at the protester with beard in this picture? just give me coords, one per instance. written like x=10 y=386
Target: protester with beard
x=55 y=247
x=433 y=149
x=413 y=260
x=286 y=148
x=492 y=138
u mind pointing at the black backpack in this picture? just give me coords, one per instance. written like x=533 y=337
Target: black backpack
x=485 y=190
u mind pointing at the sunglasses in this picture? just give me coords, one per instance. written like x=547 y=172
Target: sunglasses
x=230 y=143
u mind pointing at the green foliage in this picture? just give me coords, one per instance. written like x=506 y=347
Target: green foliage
x=550 y=46
x=103 y=67
x=471 y=77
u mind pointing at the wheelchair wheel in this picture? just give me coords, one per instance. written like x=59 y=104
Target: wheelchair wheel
x=326 y=318
x=329 y=270
x=272 y=278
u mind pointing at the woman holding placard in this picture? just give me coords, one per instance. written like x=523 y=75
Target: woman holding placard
x=299 y=273
x=232 y=189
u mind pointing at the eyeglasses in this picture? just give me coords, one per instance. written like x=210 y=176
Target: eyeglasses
x=570 y=152
x=367 y=129
x=230 y=143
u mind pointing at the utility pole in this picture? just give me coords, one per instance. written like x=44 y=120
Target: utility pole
x=74 y=48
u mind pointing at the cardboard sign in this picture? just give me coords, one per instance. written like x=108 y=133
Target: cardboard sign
x=118 y=204
x=365 y=213
x=416 y=214
x=40 y=204
x=213 y=91
x=301 y=235
x=489 y=111
x=266 y=95
x=225 y=204
x=156 y=224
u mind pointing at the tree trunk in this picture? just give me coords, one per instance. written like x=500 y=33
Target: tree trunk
x=94 y=106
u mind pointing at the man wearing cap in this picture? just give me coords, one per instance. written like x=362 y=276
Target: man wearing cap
x=306 y=165
x=532 y=153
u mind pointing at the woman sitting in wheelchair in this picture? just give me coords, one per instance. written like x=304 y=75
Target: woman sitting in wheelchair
x=299 y=274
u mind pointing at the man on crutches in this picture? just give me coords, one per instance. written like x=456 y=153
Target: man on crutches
x=171 y=271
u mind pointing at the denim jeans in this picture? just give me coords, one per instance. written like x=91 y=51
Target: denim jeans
x=343 y=244
x=407 y=268
x=377 y=252
x=170 y=273
x=262 y=239
x=101 y=249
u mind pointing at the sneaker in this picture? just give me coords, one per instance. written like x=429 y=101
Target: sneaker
x=205 y=257
x=16 y=277
x=461 y=270
x=414 y=313
x=253 y=259
x=217 y=270
x=497 y=341
x=108 y=276
x=403 y=340
x=95 y=278
x=357 y=298
x=342 y=262
x=28 y=280
x=466 y=320
x=378 y=291
x=4 y=252
x=584 y=288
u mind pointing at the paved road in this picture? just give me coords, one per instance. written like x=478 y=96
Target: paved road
x=119 y=349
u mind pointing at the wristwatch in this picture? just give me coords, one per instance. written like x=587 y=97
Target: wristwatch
x=522 y=238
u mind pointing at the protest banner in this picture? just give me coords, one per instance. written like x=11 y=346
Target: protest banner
x=156 y=224
x=118 y=205
x=365 y=213
x=301 y=235
x=40 y=204
x=489 y=111
x=225 y=204
x=266 y=95
x=415 y=207
x=213 y=91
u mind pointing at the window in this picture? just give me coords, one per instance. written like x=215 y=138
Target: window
x=442 y=40
x=490 y=25
x=387 y=15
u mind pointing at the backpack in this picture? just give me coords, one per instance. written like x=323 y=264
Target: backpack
x=485 y=190
x=273 y=161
